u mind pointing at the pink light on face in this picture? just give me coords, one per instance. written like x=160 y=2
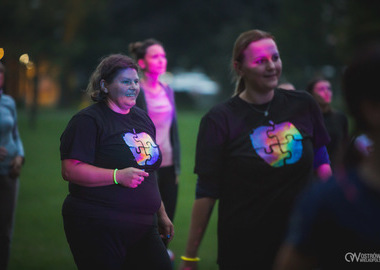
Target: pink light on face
x=323 y=90
x=262 y=66
x=155 y=60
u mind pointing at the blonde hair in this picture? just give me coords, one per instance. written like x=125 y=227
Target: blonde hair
x=241 y=43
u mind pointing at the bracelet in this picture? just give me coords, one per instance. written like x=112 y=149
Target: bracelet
x=187 y=259
x=114 y=176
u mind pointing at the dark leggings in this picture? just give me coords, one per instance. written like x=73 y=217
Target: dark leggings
x=166 y=178
x=109 y=244
x=8 y=198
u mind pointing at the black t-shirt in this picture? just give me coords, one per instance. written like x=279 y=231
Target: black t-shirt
x=103 y=138
x=259 y=165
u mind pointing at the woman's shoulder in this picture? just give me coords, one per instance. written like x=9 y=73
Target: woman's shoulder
x=93 y=112
x=137 y=112
x=295 y=94
x=224 y=110
x=91 y=109
x=8 y=100
x=299 y=98
x=168 y=89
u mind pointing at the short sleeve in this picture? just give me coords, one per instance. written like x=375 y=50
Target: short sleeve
x=321 y=156
x=79 y=139
x=210 y=147
x=210 y=155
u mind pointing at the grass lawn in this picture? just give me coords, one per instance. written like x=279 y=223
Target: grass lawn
x=39 y=241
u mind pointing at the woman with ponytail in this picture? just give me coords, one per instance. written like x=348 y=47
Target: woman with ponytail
x=254 y=154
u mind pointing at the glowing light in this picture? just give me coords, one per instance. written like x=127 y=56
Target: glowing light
x=1 y=53
x=29 y=65
x=24 y=58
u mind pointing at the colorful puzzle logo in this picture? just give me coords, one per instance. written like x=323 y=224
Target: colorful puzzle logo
x=143 y=148
x=278 y=144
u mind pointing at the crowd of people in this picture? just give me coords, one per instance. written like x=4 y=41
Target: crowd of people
x=294 y=190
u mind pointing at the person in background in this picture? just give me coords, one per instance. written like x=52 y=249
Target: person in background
x=157 y=99
x=254 y=154
x=11 y=161
x=335 y=121
x=286 y=86
x=336 y=224
x=113 y=215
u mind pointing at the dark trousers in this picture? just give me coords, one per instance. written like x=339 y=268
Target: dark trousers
x=166 y=178
x=8 y=198
x=115 y=245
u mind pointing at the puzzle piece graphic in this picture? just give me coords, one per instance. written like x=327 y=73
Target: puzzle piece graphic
x=142 y=147
x=278 y=144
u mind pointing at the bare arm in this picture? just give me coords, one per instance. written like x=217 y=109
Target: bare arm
x=165 y=226
x=324 y=171
x=202 y=210
x=84 y=174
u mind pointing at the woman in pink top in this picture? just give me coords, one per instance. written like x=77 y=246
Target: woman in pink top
x=157 y=98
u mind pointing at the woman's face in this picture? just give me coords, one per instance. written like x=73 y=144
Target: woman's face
x=261 y=67
x=155 y=60
x=322 y=92
x=123 y=90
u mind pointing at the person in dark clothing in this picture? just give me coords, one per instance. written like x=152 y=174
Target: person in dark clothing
x=336 y=224
x=335 y=121
x=11 y=161
x=113 y=215
x=254 y=154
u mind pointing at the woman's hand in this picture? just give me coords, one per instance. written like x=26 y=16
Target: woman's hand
x=165 y=226
x=131 y=177
x=16 y=165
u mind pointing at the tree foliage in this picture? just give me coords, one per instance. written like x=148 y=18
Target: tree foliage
x=74 y=34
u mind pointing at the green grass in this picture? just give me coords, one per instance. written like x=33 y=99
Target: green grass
x=39 y=241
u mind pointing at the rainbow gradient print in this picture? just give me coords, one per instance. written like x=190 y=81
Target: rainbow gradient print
x=142 y=147
x=278 y=144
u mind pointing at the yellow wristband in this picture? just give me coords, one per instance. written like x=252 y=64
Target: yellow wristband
x=186 y=259
x=114 y=176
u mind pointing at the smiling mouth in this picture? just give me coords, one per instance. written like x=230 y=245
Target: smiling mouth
x=131 y=93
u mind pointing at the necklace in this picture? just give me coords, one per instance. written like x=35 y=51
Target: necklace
x=265 y=112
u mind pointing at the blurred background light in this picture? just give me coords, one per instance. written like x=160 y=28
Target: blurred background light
x=24 y=59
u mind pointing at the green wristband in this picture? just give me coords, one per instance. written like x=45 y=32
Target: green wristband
x=114 y=176
x=187 y=259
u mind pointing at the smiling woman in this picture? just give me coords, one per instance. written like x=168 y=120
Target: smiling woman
x=254 y=154
x=109 y=156
x=122 y=91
